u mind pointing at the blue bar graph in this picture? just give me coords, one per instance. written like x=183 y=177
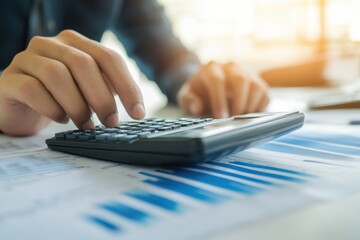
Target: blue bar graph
x=126 y=211
x=259 y=173
x=230 y=174
x=156 y=200
x=253 y=165
x=104 y=223
x=320 y=146
x=212 y=180
x=184 y=189
x=347 y=140
x=275 y=147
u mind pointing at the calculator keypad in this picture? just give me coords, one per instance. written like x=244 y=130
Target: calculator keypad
x=131 y=130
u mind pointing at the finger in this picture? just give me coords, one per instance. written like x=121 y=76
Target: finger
x=261 y=90
x=31 y=92
x=112 y=64
x=214 y=79
x=263 y=103
x=107 y=81
x=255 y=97
x=85 y=73
x=58 y=81
x=190 y=101
x=238 y=87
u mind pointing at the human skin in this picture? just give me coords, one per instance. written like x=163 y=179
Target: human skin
x=69 y=76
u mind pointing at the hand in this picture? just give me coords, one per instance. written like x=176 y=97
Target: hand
x=223 y=90
x=62 y=77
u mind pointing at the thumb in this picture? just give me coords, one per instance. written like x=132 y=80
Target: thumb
x=190 y=101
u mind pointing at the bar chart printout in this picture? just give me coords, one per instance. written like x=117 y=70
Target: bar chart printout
x=240 y=177
x=80 y=198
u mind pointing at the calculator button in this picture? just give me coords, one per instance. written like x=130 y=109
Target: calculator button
x=123 y=131
x=170 y=121
x=133 y=132
x=60 y=135
x=115 y=137
x=102 y=137
x=184 y=124
x=86 y=136
x=73 y=135
x=159 y=120
x=164 y=128
x=143 y=134
x=110 y=130
x=122 y=127
x=127 y=137
x=147 y=129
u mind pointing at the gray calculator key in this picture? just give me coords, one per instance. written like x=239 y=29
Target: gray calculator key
x=127 y=137
x=73 y=135
x=143 y=134
x=115 y=137
x=60 y=135
x=102 y=137
x=110 y=130
x=86 y=136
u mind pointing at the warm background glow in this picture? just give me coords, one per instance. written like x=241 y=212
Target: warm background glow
x=260 y=34
x=254 y=31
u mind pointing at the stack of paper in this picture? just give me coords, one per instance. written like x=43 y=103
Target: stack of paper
x=51 y=195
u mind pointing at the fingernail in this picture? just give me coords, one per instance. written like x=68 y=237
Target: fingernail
x=65 y=120
x=88 y=125
x=138 y=111
x=112 y=120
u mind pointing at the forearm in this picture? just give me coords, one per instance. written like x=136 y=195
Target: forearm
x=147 y=35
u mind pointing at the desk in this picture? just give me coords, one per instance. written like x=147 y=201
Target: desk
x=336 y=219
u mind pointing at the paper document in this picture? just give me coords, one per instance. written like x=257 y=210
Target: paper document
x=52 y=195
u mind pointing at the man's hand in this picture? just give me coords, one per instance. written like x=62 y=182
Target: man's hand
x=62 y=77
x=223 y=90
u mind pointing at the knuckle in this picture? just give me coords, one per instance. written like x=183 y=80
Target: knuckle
x=18 y=57
x=82 y=60
x=68 y=33
x=53 y=70
x=38 y=40
x=215 y=77
x=62 y=51
x=109 y=55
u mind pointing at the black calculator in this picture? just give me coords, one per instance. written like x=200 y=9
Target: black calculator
x=157 y=141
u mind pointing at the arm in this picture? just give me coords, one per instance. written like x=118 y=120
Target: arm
x=147 y=35
x=214 y=89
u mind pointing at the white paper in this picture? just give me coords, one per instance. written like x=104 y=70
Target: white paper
x=51 y=195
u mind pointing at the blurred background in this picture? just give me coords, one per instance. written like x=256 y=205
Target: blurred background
x=263 y=34
x=256 y=30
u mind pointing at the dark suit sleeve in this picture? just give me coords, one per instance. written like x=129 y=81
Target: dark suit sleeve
x=146 y=33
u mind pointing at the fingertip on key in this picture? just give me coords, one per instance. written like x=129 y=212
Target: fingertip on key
x=138 y=111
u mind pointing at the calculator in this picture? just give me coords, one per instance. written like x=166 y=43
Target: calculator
x=158 y=141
